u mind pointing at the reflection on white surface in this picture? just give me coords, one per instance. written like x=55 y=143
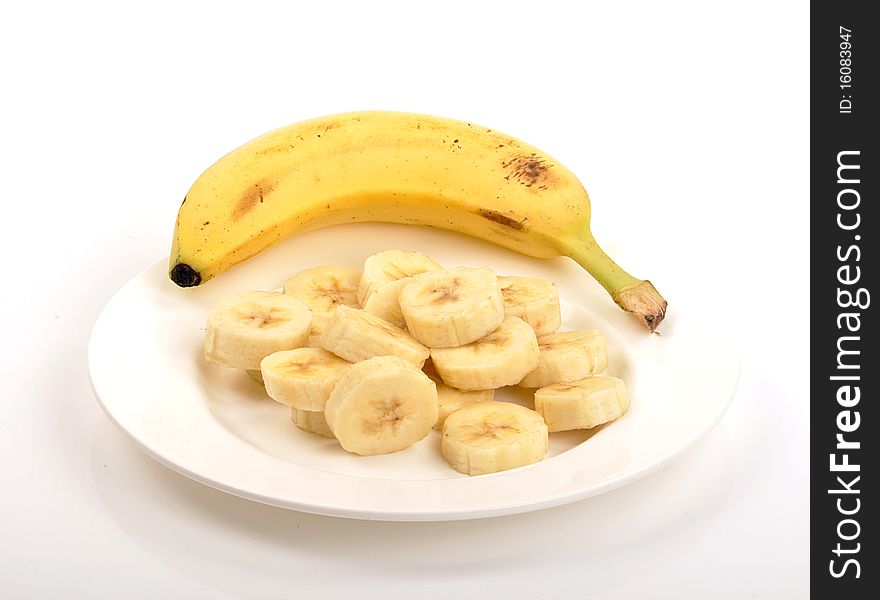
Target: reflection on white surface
x=206 y=535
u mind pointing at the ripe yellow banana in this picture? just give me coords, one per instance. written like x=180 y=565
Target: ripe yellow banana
x=398 y=168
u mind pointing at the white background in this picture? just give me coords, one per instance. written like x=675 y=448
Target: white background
x=688 y=123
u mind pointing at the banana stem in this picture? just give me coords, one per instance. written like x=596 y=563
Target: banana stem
x=637 y=297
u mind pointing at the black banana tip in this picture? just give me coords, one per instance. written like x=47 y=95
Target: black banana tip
x=185 y=276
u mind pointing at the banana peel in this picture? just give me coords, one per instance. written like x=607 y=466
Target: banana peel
x=380 y=166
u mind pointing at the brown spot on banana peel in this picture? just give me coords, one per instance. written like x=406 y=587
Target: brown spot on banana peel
x=501 y=219
x=531 y=171
x=253 y=196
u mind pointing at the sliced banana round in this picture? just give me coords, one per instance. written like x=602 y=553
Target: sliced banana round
x=582 y=404
x=355 y=335
x=245 y=328
x=450 y=399
x=501 y=358
x=391 y=265
x=384 y=303
x=302 y=378
x=312 y=421
x=568 y=356
x=535 y=301
x=381 y=405
x=255 y=375
x=452 y=307
x=492 y=436
x=325 y=288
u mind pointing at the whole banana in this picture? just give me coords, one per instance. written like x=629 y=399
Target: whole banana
x=399 y=168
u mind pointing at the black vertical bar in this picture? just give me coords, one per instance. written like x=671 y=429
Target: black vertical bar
x=844 y=368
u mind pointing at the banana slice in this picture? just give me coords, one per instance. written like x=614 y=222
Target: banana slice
x=582 y=404
x=384 y=303
x=391 y=265
x=450 y=399
x=245 y=328
x=355 y=335
x=452 y=307
x=568 y=356
x=492 y=436
x=302 y=378
x=535 y=301
x=501 y=358
x=381 y=405
x=325 y=288
x=312 y=421
x=255 y=375
x=319 y=324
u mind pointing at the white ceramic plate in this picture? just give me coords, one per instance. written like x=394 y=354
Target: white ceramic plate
x=218 y=427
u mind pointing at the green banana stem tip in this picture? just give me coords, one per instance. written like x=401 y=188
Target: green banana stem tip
x=639 y=298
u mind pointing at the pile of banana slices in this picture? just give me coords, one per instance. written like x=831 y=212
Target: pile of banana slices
x=377 y=358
